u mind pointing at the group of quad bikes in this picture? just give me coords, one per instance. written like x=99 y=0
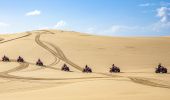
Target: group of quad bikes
x=113 y=69
x=89 y=70
x=85 y=70
x=20 y=59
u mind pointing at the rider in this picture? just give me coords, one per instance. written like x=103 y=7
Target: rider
x=19 y=57
x=113 y=66
x=39 y=60
x=86 y=68
x=64 y=66
x=159 y=65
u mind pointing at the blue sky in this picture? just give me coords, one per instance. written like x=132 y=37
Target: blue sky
x=101 y=17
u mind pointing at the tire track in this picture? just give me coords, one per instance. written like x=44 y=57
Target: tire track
x=37 y=40
x=18 y=68
x=58 y=50
x=107 y=74
x=138 y=80
x=1 y=39
x=34 y=78
x=62 y=56
x=145 y=81
x=6 y=74
x=22 y=66
x=15 y=38
x=59 y=53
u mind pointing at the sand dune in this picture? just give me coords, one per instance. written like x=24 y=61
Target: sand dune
x=136 y=56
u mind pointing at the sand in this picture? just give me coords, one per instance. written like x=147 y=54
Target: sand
x=137 y=58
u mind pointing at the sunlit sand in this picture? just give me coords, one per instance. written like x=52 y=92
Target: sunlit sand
x=136 y=57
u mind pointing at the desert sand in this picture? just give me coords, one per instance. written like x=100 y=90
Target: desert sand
x=137 y=58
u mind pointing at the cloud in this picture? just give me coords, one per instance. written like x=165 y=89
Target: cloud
x=152 y=28
x=43 y=28
x=116 y=28
x=160 y=27
x=92 y=29
x=60 y=24
x=120 y=30
x=164 y=14
x=123 y=28
x=33 y=13
x=163 y=3
x=146 y=4
x=2 y=24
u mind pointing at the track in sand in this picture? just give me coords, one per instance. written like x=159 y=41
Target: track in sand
x=4 y=41
x=59 y=55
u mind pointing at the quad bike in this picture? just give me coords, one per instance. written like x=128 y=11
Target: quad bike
x=161 y=70
x=65 y=68
x=115 y=69
x=20 y=59
x=87 y=69
x=5 y=59
x=39 y=63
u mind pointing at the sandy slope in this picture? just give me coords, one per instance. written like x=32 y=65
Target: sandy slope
x=136 y=56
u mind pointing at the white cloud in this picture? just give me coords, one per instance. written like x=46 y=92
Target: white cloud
x=164 y=14
x=123 y=28
x=146 y=4
x=160 y=27
x=2 y=24
x=92 y=29
x=43 y=28
x=116 y=28
x=60 y=24
x=33 y=13
x=155 y=27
